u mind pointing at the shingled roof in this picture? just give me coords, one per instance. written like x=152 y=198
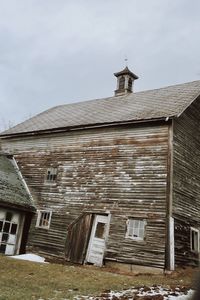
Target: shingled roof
x=160 y=103
x=13 y=192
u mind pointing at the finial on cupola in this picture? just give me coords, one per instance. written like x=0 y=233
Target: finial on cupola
x=125 y=79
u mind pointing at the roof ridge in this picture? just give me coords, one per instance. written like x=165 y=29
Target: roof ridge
x=127 y=95
x=167 y=86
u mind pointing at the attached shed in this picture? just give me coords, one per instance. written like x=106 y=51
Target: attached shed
x=116 y=180
x=16 y=207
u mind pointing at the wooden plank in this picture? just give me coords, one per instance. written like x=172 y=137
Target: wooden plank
x=77 y=239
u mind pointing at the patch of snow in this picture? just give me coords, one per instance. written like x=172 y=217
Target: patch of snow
x=30 y=257
x=167 y=294
x=182 y=297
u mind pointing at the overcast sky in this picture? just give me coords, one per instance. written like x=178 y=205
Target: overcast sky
x=55 y=52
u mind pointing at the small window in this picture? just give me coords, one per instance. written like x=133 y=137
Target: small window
x=43 y=219
x=121 y=83
x=136 y=229
x=194 y=239
x=130 y=84
x=51 y=175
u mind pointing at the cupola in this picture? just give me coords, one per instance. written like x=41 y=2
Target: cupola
x=125 y=80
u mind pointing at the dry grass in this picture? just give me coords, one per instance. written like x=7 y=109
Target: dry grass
x=22 y=280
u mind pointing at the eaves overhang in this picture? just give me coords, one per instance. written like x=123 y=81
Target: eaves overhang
x=84 y=127
x=24 y=208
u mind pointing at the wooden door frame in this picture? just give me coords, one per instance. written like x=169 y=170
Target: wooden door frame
x=92 y=232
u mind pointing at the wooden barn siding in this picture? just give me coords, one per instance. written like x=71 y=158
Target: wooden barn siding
x=120 y=170
x=186 y=181
x=183 y=254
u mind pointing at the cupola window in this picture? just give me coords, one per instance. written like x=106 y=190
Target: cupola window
x=130 y=84
x=121 y=83
x=125 y=80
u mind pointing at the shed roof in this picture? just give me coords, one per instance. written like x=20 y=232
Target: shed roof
x=13 y=192
x=165 y=102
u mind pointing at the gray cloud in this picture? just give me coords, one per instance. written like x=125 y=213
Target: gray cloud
x=55 y=52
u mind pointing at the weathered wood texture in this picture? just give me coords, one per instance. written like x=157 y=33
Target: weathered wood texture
x=120 y=170
x=77 y=238
x=186 y=180
x=183 y=254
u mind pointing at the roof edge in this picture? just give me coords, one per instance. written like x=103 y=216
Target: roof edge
x=83 y=127
x=195 y=98
x=23 y=181
x=24 y=208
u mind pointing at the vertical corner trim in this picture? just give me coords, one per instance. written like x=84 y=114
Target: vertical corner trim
x=170 y=255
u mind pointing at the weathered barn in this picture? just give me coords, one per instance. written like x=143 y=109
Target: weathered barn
x=116 y=180
x=16 y=207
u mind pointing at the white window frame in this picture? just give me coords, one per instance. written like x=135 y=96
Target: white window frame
x=40 y=216
x=134 y=227
x=195 y=230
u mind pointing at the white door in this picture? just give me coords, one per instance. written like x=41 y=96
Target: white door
x=9 y=227
x=97 y=243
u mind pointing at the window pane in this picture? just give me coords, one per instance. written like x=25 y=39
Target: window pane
x=136 y=232
x=131 y=223
x=12 y=239
x=130 y=231
x=141 y=233
x=6 y=227
x=130 y=83
x=141 y=224
x=15 y=218
x=121 y=83
x=2 y=248
x=9 y=216
x=100 y=230
x=5 y=237
x=136 y=223
x=45 y=221
x=13 y=229
x=10 y=249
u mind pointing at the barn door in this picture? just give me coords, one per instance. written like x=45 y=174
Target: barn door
x=9 y=228
x=77 y=239
x=97 y=243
